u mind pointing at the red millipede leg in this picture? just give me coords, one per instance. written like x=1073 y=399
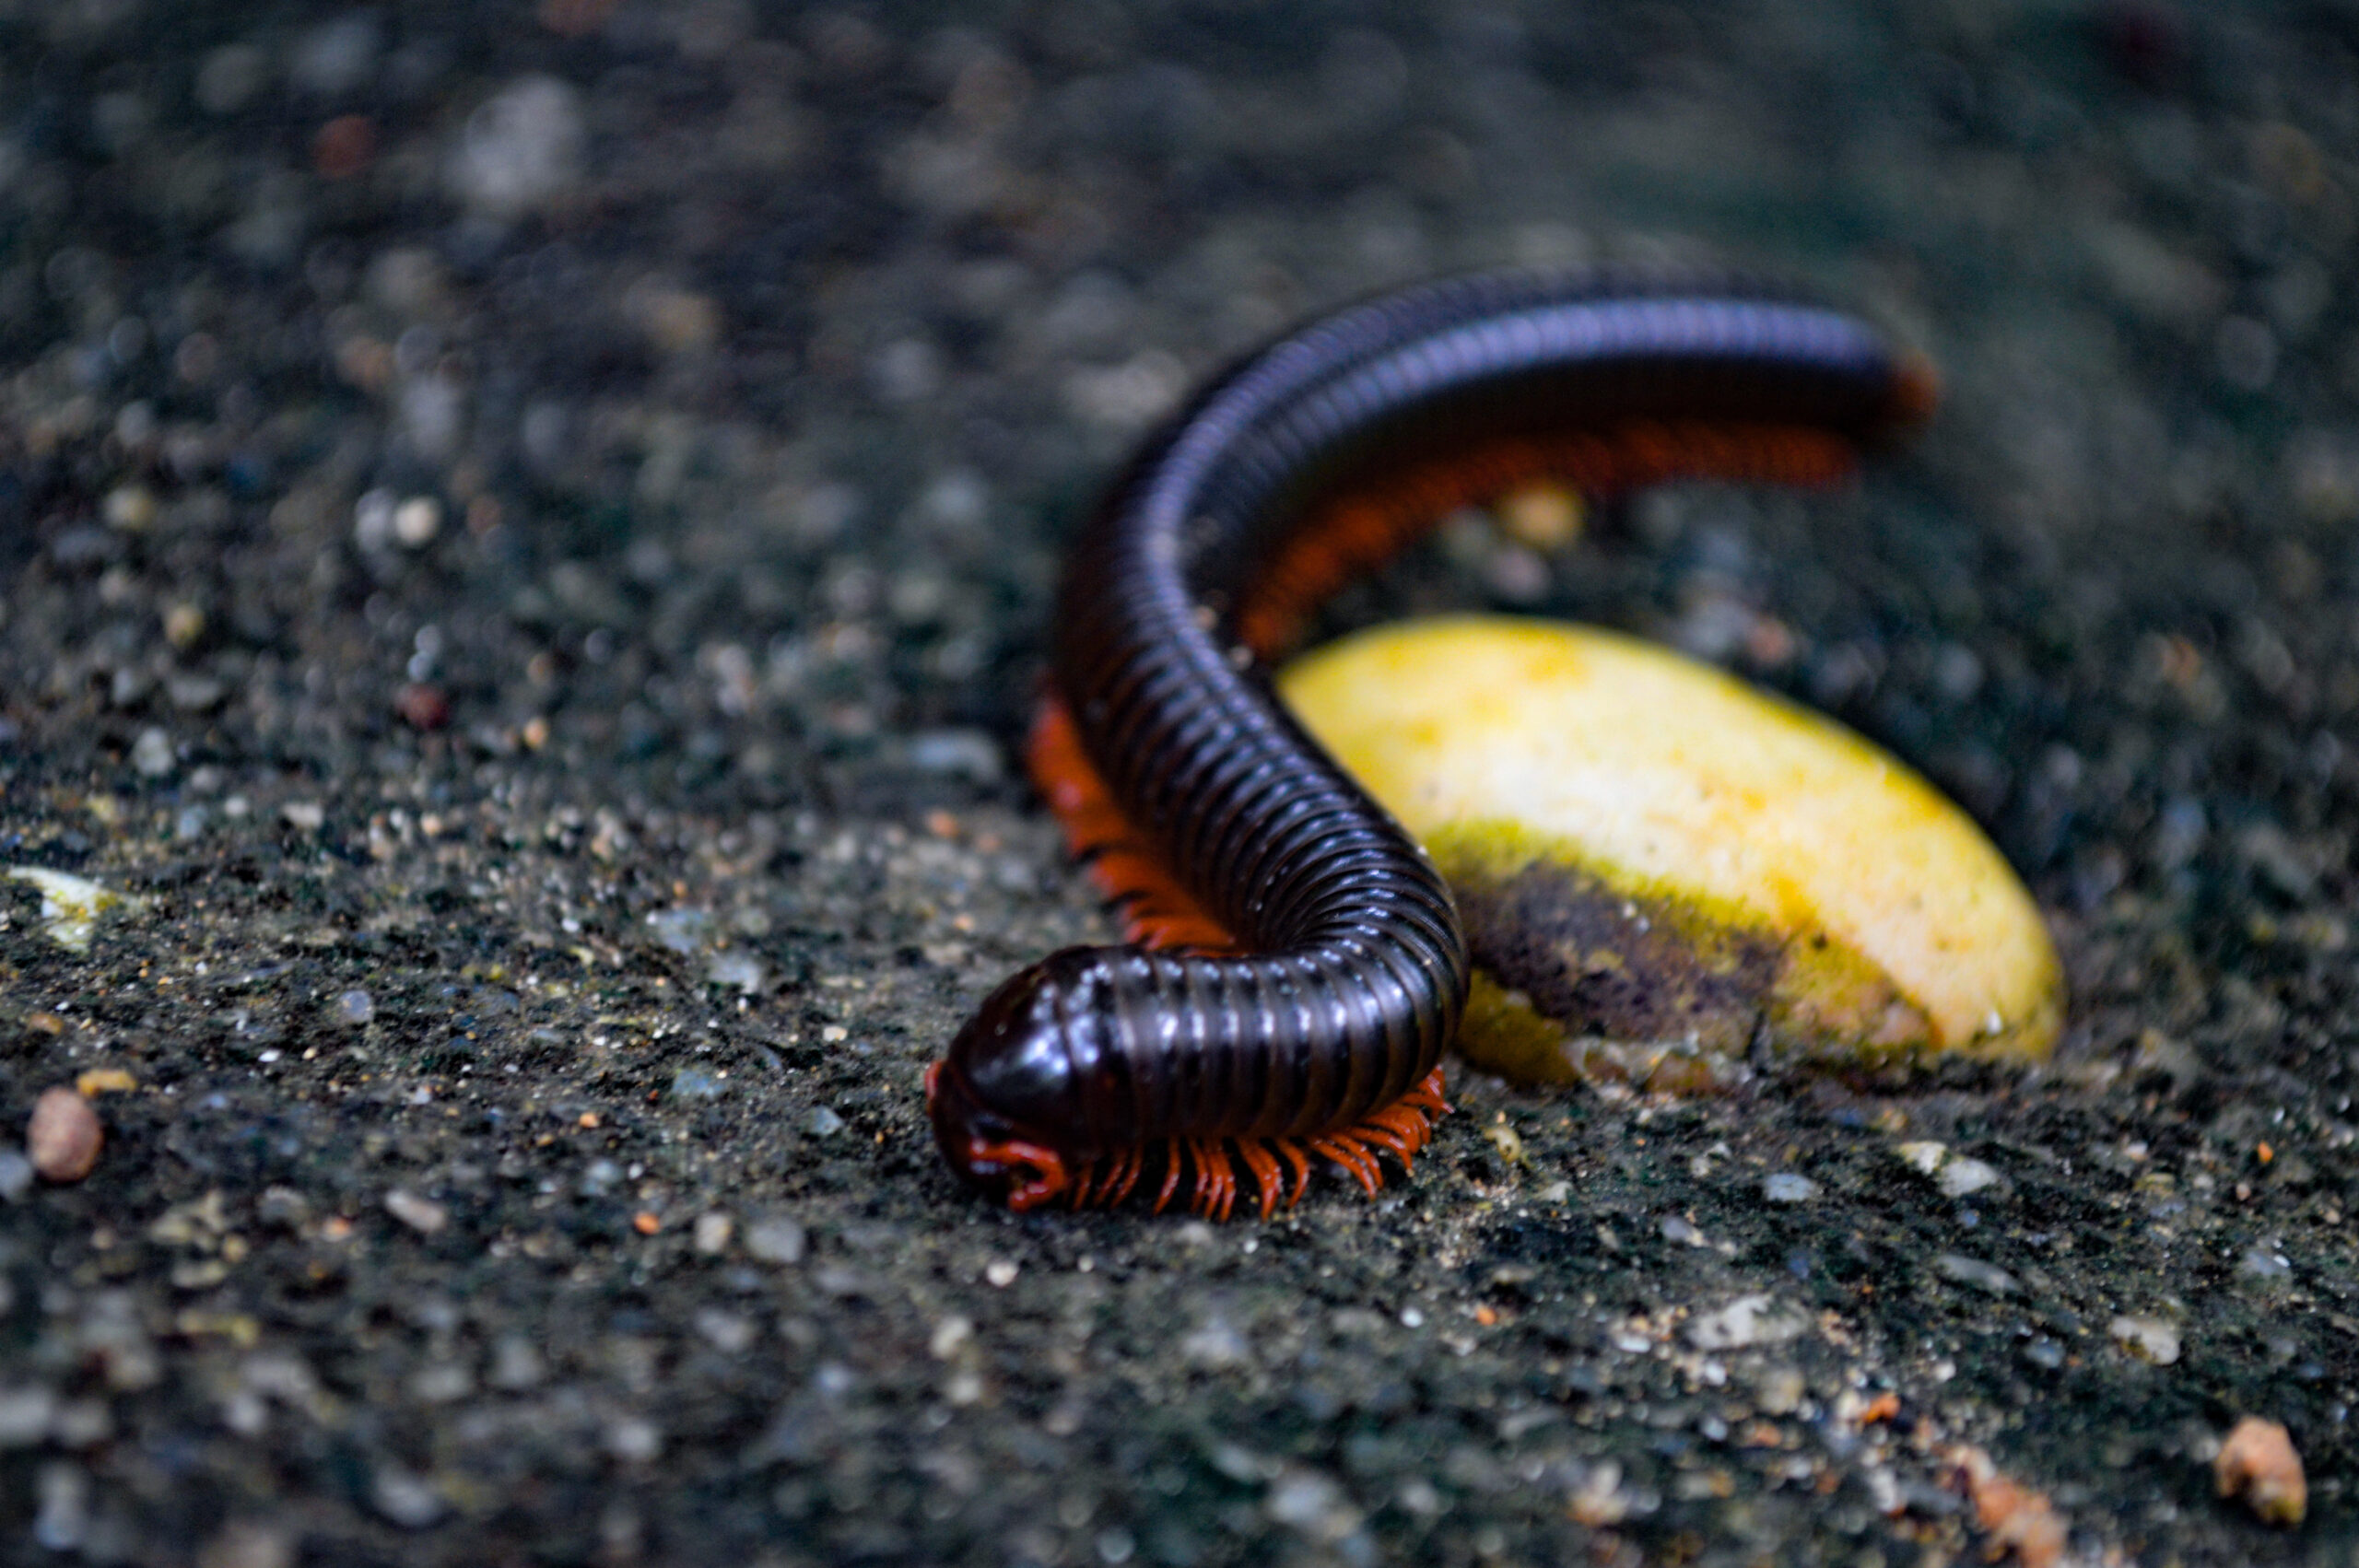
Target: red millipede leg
x=1292 y=1152
x=1346 y=1151
x=1255 y=1153
x=1384 y=1135
x=1170 y=1174
x=1215 y=1192
x=1129 y=1162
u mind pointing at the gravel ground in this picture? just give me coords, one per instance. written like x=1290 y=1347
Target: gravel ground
x=526 y=530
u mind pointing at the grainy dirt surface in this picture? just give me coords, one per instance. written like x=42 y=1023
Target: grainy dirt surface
x=526 y=530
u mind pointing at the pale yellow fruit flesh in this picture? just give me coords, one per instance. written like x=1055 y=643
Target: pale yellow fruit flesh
x=1810 y=882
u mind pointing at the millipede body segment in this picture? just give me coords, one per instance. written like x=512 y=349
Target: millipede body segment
x=1299 y=967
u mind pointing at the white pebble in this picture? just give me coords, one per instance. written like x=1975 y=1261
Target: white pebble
x=416 y=520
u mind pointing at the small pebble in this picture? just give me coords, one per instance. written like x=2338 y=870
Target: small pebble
x=25 y=1415
x=356 y=1007
x=2258 y=1463
x=824 y=1122
x=1962 y=1175
x=522 y=149
x=151 y=754
x=131 y=507
x=1748 y=1321
x=412 y=1501
x=2148 y=1339
x=1973 y=1271
x=64 y=1512
x=416 y=520
x=1786 y=1187
x=16 y=1175
x=421 y=1215
x=422 y=707
x=713 y=1231
x=776 y=1240
x=64 y=1137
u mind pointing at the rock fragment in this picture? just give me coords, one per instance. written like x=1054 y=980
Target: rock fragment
x=2258 y=1463
x=64 y=1137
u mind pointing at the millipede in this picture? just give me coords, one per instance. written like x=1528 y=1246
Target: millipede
x=1296 y=967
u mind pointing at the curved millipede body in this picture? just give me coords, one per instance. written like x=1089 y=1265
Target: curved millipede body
x=1322 y=968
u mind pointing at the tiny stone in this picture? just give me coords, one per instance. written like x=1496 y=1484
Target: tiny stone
x=411 y=1501
x=1001 y=1273
x=1214 y=1346
x=1960 y=1175
x=64 y=1137
x=1973 y=1271
x=2258 y=1463
x=64 y=1514
x=2148 y=1339
x=824 y=1122
x=184 y=624
x=422 y=705
x=25 y=1415
x=738 y=971
x=1309 y=1502
x=151 y=754
x=308 y=816
x=634 y=1439
x=193 y=694
x=775 y=1240
x=515 y=1364
x=356 y=1007
x=131 y=507
x=1924 y=1157
x=16 y=1175
x=373 y=519
x=950 y=1334
x=1748 y=1321
x=82 y=1424
x=713 y=1231
x=1780 y=1390
x=520 y=150
x=416 y=520
x=729 y=1332
x=969 y=753
x=1786 y=1187
x=420 y=1214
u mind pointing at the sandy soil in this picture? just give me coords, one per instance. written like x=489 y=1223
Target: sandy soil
x=526 y=531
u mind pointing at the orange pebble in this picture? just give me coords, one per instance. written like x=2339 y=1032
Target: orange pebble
x=2258 y=1463
x=64 y=1137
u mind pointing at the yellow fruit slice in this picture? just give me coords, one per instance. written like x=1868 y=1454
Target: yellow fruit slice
x=1662 y=868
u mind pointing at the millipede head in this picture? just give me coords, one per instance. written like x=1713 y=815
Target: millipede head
x=1004 y=1087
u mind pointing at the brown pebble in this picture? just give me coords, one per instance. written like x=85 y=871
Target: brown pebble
x=344 y=147
x=422 y=707
x=2258 y=1463
x=2015 y=1517
x=64 y=1137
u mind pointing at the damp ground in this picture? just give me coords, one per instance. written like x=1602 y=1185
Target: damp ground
x=526 y=536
